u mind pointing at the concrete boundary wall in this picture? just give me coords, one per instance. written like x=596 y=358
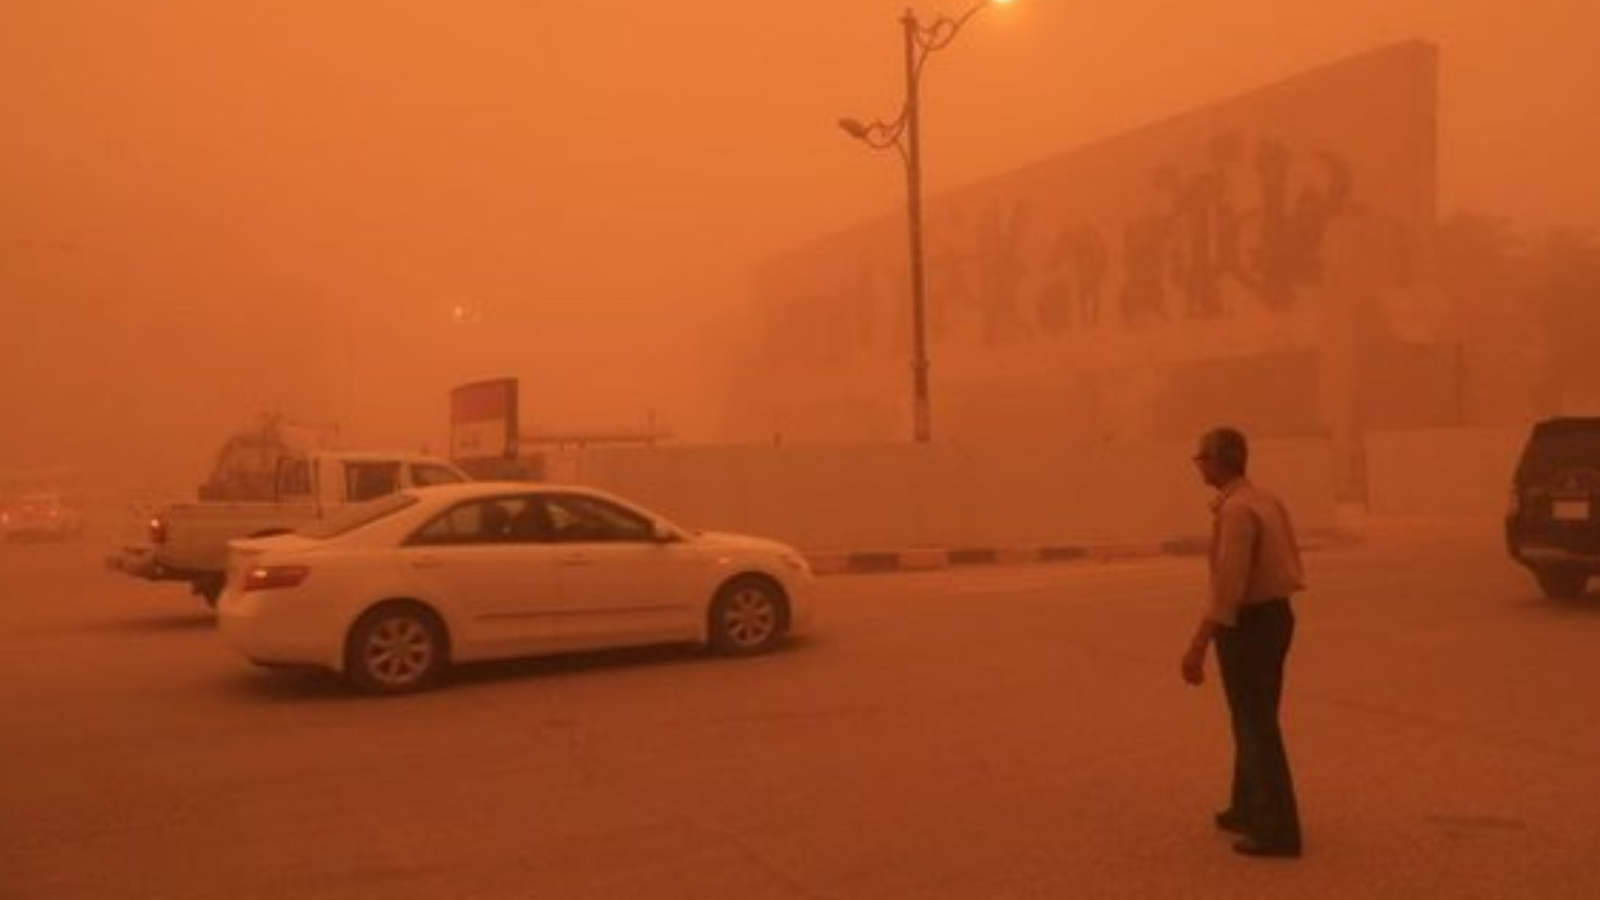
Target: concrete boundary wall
x=967 y=500
x=1442 y=471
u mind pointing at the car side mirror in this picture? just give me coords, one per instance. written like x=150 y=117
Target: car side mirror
x=663 y=533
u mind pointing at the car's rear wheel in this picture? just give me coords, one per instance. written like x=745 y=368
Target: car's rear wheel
x=748 y=615
x=1562 y=584
x=395 y=649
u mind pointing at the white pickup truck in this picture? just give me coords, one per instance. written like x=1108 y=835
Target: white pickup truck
x=189 y=541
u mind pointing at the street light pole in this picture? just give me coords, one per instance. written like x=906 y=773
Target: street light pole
x=921 y=425
x=904 y=135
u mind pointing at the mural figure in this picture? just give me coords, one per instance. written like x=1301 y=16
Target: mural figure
x=1209 y=247
x=1147 y=255
x=1211 y=224
x=1227 y=157
x=1243 y=224
x=1288 y=250
x=1197 y=251
x=1315 y=206
x=1273 y=254
x=1053 y=307
x=1000 y=272
x=948 y=288
x=1076 y=270
x=1090 y=260
x=951 y=267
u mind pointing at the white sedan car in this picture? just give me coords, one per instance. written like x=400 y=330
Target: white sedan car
x=390 y=592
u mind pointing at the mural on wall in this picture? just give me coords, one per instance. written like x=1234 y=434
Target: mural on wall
x=1243 y=232
x=1074 y=279
x=1240 y=233
x=1227 y=233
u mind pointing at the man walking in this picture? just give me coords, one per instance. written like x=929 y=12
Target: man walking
x=1255 y=567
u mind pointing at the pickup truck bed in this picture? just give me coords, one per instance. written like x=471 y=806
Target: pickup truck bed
x=189 y=541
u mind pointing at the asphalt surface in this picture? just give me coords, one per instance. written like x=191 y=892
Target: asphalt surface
x=982 y=731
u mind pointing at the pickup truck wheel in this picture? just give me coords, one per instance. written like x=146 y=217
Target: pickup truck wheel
x=1562 y=584
x=209 y=588
x=396 y=648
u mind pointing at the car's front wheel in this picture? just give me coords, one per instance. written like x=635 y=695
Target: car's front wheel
x=748 y=615
x=1562 y=584
x=395 y=649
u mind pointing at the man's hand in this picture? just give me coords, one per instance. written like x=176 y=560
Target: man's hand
x=1194 y=660
x=1194 y=664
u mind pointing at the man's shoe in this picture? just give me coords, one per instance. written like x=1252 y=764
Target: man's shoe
x=1232 y=820
x=1256 y=847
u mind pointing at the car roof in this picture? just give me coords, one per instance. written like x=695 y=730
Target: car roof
x=438 y=496
x=466 y=490
x=1556 y=444
x=380 y=455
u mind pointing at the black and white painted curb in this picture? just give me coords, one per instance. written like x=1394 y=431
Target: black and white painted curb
x=929 y=558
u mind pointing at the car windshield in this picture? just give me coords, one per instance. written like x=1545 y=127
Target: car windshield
x=1555 y=448
x=356 y=515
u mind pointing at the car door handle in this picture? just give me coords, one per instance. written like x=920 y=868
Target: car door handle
x=427 y=562
x=575 y=559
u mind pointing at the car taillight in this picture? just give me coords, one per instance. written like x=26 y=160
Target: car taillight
x=158 y=530
x=265 y=578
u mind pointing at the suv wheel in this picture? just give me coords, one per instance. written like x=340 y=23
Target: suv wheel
x=1562 y=584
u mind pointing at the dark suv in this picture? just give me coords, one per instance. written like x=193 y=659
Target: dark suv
x=1553 y=525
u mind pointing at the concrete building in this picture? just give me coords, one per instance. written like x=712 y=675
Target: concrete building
x=1263 y=261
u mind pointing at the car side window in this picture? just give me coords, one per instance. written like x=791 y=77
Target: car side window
x=366 y=480
x=577 y=518
x=475 y=522
x=294 y=478
x=529 y=522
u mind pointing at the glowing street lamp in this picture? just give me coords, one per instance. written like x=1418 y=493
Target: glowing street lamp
x=903 y=134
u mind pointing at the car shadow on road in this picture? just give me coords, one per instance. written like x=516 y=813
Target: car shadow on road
x=295 y=684
x=597 y=662
x=572 y=664
x=1584 y=605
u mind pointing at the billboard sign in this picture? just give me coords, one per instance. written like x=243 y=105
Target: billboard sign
x=483 y=420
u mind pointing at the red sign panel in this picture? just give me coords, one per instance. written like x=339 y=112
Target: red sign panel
x=483 y=420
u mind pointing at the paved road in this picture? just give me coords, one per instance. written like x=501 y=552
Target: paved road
x=986 y=732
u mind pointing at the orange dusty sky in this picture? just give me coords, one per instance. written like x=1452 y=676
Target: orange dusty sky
x=575 y=192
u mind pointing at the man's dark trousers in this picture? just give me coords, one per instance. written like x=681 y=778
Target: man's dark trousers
x=1251 y=655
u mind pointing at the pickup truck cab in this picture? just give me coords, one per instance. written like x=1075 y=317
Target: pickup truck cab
x=189 y=541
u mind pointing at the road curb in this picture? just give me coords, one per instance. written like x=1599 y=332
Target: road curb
x=929 y=558
x=915 y=559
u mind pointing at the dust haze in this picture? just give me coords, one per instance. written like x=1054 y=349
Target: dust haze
x=340 y=210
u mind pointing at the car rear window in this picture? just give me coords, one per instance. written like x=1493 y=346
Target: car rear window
x=357 y=515
x=1559 y=445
